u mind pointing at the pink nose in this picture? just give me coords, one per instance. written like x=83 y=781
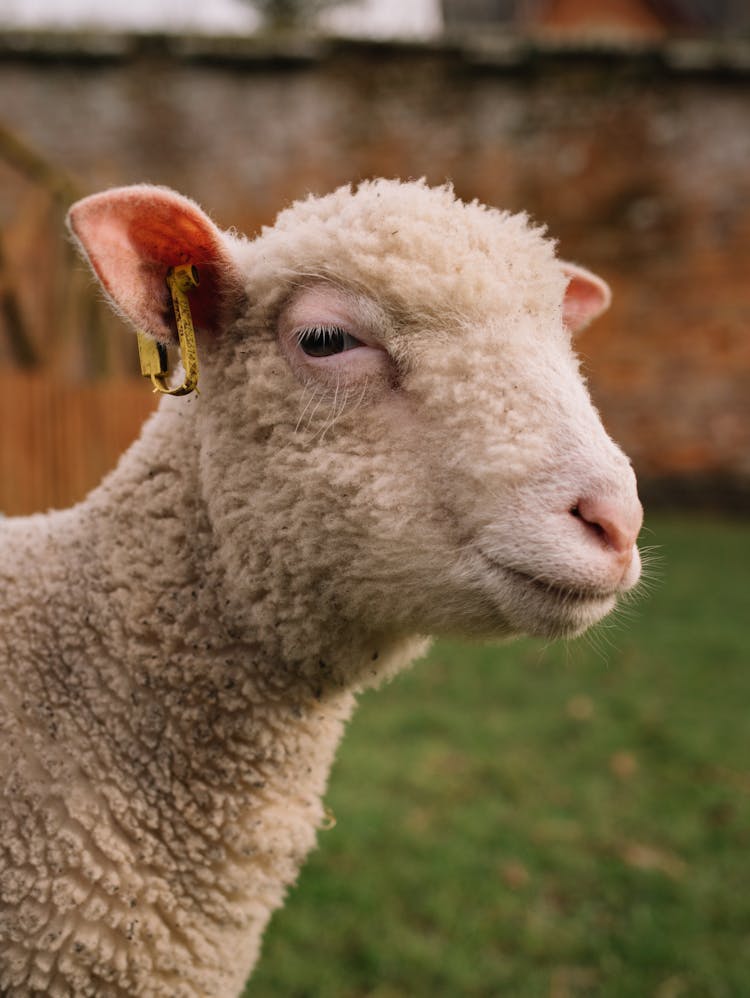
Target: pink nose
x=617 y=523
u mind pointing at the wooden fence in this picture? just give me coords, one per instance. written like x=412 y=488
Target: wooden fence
x=57 y=438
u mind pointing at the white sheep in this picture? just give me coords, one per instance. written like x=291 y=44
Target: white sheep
x=392 y=439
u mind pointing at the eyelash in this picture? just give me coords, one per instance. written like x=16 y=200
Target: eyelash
x=325 y=341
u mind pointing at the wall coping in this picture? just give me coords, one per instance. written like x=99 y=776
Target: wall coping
x=487 y=51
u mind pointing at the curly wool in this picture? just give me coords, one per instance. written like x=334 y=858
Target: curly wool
x=180 y=651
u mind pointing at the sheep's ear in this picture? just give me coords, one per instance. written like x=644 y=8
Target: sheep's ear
x=586 y=297
x=131 y=236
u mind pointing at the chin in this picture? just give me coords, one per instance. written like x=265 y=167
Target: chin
x=501 y=602
x=530 y=612
x=523 y=604
x=571 y=620
x=544 y=610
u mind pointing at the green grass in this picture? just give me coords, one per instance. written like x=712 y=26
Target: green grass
x=530 y=820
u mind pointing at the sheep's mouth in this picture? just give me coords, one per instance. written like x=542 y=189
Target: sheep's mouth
x=542 y=607
x=560 y=592
x=557 y=590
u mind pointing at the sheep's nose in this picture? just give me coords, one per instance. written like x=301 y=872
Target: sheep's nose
x=616 y=523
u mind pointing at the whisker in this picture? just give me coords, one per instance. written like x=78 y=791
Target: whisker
x=329 y=423
x=317 y=406
x=307 y=406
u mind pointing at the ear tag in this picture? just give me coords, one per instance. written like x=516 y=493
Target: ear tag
x=153 y=355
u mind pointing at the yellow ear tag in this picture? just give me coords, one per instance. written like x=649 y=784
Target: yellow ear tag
x=153 y=355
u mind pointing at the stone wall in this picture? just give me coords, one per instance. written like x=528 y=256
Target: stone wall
x=638 y=161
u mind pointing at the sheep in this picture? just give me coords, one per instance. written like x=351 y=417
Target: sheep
x=391 y=440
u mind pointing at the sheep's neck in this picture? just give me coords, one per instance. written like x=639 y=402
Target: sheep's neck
x=181 y=667
x=199 y=761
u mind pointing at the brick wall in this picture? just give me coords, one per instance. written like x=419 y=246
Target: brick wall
x=637 y=160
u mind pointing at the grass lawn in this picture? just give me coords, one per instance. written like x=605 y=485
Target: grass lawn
x=562 y=821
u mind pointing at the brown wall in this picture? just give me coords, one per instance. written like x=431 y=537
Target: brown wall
x=638 y=162
x=58 y=439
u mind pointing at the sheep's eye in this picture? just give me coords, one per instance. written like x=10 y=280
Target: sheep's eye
x=324 y=341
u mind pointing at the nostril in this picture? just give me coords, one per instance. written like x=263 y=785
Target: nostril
x=616 y=524
x=592 y=525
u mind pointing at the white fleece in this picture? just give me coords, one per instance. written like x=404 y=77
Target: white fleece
x=180 y=651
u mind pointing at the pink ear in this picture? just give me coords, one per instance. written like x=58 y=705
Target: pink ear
x=586 y=297
x=131 y=236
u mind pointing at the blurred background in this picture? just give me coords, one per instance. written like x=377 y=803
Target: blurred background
x=523 y=821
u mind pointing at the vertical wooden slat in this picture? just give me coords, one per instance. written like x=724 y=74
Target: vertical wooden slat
x=57 y=440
